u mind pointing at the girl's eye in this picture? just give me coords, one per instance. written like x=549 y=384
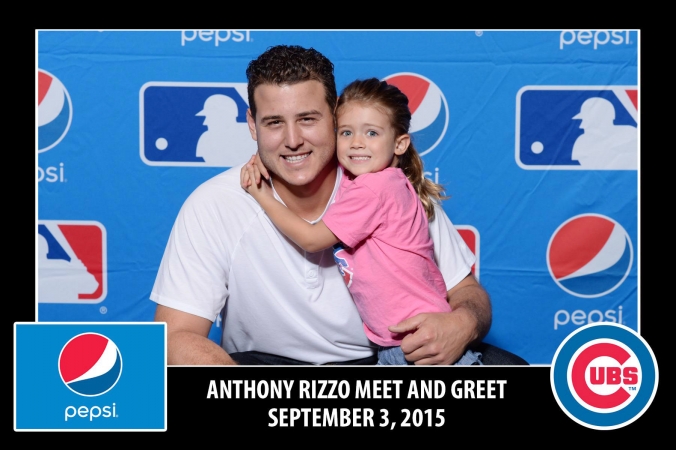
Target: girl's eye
x=372 y=133
x=345 y=133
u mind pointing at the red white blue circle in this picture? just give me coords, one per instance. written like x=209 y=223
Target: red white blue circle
x=429 y=109
x=90 y=364
x=55 y=111
x=589 y=255
x=604 y=376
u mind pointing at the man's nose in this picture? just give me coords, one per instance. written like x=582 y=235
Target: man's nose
x=294 y=137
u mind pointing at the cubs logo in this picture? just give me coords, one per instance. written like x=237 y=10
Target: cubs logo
x=604 y=376
x=90 y=364
x=429 y=109
x=589 y=255
x=340 y=255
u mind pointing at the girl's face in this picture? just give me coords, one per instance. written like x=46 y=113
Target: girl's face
x=366 y=141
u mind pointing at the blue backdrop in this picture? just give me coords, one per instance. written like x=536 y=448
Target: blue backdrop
x=534 y=134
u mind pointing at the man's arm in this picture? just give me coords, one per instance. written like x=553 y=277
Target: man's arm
x=442 y=338
x=471 y=300
x=187 y=339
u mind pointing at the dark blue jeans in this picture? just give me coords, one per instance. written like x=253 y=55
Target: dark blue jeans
x=490 y=356
x=254 y=358
x=394 y=356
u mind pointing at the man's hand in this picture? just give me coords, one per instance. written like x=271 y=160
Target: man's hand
x=437 y=338
x=442 y=338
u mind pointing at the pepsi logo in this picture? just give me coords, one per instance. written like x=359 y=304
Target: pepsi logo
x=90 y=364
x=429 y=109
x=604 y=376
x=55 y=111
x=589 y=255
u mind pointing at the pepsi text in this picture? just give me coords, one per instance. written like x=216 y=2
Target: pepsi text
x=217 y=36
x=595 y=37
x=580 y=317
x=52 y=174
x=93 y=412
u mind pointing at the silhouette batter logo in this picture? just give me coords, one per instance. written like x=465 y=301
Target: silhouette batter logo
x=577 y=128
x=194 y=124
x=604 y=376
x=90 y=364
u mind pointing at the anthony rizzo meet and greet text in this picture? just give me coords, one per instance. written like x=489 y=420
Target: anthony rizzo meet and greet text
x=352 y=403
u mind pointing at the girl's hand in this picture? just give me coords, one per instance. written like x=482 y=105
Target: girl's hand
x=244 y=179
x=261 y=168
x=250 y=180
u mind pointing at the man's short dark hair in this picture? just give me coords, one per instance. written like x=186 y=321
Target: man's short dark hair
x=290 y=64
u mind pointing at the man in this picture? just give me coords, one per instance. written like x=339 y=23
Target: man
x=281 y=305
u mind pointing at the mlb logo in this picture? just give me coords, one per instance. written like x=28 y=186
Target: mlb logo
x=470 y=235
x=195 y=124
x=577 y=128
x=90 y=376
x=71 y=262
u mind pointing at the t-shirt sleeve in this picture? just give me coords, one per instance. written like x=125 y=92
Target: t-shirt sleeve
x=453 y=256
x=355 y=215
x=192 y=273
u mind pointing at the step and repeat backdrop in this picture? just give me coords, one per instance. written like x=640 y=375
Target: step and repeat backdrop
x=534 y=135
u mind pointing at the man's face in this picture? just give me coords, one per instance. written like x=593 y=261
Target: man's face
x=294 y=129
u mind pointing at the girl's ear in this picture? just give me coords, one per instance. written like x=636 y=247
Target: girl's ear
x=401 y=144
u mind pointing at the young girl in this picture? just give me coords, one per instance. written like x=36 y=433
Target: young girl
x=378 y=225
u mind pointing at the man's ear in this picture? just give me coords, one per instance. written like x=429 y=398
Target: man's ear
x=401 y=144
x=335 y=115
x=252 y=124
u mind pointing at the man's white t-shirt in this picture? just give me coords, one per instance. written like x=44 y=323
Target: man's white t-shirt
x=224 y=253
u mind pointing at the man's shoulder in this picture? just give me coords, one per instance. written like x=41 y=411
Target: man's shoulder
x=227 y=180
x=223 y=190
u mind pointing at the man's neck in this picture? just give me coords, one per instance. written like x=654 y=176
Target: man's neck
x=309 y=201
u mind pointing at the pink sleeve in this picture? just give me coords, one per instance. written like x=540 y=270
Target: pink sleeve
x=355 y=215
